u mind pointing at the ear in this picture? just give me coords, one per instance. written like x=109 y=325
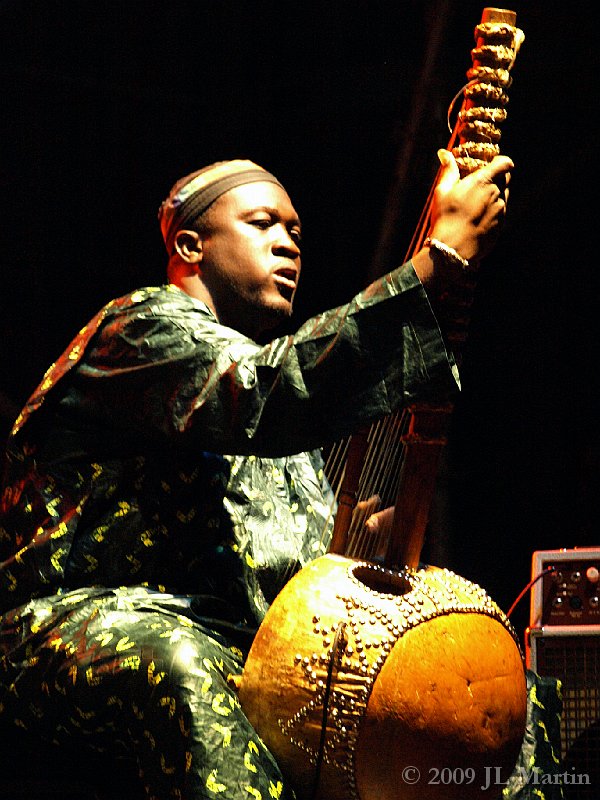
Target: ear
x=188 y=245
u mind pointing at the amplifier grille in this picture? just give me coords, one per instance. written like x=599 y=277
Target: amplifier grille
x=575 y=661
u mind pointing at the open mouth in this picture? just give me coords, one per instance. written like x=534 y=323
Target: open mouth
x=286 y=282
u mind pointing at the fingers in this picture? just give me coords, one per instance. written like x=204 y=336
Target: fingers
x=491 y=182
x=380 y=523
x=496 y=175
x=449 y=172
x=365 y=508
x=498 y=171
x=467 y=213
x=500 y=164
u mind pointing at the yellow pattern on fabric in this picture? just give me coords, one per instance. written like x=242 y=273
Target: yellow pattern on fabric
x=74 y=599
x=200 y=673
x=135 y=563
x=146 y=539
x=70 y=648
x=124 y=644
x=212 y=785
x=91 y=678
x=534 y=698
x=224 y=731
x=150 y=738
x=51 y=505
x=131 y=662
x=163 y=765
x=60 y=531
x=85 y=714
x=531 y=761
x=12 y=581
x=254 y=792
x=154 y=678
x=186 y=518
x=543 y=727
x=56 y=558
x=98 y=534
x=124 y=509
x=92 y=563
x=219 y=708
x=97 y=470
x=189 y=478
x=275 y=789
x=251 y=750
x=170 y=703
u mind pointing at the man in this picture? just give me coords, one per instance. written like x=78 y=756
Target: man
x=164 y=480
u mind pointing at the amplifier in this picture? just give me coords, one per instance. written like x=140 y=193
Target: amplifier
x=563 y=641
x=569 y=594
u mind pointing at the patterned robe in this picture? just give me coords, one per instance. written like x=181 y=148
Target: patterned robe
x=163 y=482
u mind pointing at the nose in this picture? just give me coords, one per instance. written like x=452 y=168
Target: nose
x=284 y=243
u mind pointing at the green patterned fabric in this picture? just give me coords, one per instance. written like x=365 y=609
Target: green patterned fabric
x=164 y=481
x=537 y=773
x=127 y=673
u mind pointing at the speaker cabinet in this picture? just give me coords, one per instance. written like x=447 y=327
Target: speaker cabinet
x=563 y=641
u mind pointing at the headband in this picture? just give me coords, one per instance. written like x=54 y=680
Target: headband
x=195 y=196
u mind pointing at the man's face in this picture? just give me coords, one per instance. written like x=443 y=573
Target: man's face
x=251 y=257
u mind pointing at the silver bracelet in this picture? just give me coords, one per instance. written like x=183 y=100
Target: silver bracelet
x=448 y=252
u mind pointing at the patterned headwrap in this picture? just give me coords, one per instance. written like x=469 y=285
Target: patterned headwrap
x=202 y=189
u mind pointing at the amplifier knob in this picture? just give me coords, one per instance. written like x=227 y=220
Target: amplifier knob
x=592 y=574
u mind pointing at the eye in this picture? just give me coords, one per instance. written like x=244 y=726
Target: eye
x=296 y=235
x=262 y=223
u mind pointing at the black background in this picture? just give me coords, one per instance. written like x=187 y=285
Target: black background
x=105 y=104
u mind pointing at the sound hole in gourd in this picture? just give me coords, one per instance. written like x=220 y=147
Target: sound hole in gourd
x=382 y=580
